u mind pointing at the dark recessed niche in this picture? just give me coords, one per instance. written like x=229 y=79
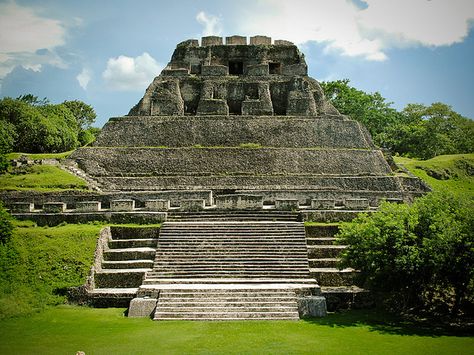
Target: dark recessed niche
x=236 y=67
x=274 y=68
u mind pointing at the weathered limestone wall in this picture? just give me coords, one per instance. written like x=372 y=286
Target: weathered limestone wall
x=72 y=197
x=229 y=161
x=249 y=183
x=214 y=131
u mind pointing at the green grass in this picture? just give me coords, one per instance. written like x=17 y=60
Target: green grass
x=67 y=329
x=41 y=156
x=39 y=263
x=41 y=178
x=449 y=172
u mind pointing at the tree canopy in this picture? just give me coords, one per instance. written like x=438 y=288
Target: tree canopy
x=31 y=125
x=419 y=256
x=417 y=131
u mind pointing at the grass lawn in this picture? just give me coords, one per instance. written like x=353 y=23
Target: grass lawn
x=67 y=329
x=451 y=172
x=35 y=156
x=41 y=178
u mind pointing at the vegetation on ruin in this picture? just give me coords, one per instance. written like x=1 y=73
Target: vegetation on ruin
x=67 y=329
x=33 y=125
x=418 y=258
x=454 y=173
x=418 y=130
x=40 y=178
x=38 y=264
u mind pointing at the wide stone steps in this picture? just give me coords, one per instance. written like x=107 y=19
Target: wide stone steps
x=228 y=304
x=324 y=251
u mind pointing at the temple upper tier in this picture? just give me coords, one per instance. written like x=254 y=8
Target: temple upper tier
x=234 y=78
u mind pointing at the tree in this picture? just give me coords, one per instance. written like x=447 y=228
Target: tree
x=39 y=129
x=372 y=110
x=84 y=113
x=411 y=253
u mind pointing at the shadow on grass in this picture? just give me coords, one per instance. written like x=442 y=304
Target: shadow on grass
x=386 y=323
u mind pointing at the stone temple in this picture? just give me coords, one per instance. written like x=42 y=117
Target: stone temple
x=233 y=146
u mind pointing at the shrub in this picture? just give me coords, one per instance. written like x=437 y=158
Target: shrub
x=418 y=257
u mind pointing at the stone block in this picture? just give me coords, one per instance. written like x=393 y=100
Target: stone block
x=88 y=206
x=323 y=204
x=258 y=69
x=211 y=41
x=192 y=205
x=54 y=207
x=287 y=204
x=239 y=202
x=356 y=203
x=188 y=43
x=236 y=40
x=213 y=107
x=157 y=205
x=258 y=40
x=142 y=307
x=214 y=70
x=282 y=42
x=394 y=200
x=122 y=205
x=175 y=72
x=312 y=306
x=256 y=108
x=22 y=207
x=295 y=69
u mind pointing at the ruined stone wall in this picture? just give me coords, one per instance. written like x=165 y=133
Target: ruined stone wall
x=229 y=161
x=268 y=182
x=146 y=131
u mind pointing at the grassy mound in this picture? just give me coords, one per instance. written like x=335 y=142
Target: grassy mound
x=451 y=172
x=40 y=263
x=40 y=178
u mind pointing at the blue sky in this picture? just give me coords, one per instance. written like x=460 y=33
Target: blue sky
x=107 y=52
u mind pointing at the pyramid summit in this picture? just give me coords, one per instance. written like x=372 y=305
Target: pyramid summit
x=242 y=118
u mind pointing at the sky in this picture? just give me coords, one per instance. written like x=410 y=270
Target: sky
x=107 y=52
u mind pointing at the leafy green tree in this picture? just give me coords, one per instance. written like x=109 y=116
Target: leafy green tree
x=372 y=110
x=33 y=100
x=84 y=113
x=39 y=129
x=419 y=255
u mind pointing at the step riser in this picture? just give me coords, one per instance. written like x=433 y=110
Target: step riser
x=334 y=279
x=119 y=244
x=129 y=265
x=320 y=253
x=119 y=280
x=127 y=255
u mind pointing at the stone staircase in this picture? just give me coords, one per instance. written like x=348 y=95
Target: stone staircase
x=339 y=286
x=72 y=167
x=227 y=304
x=229 y=270
x=122 y=260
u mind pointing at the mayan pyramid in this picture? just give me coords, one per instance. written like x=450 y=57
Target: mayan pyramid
x=240 y=118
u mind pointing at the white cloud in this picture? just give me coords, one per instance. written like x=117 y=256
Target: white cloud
x=131 y=74
x=27 y=38
x=429 y=23
x=212 y=24
x=366 y=32
x=84 y=77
